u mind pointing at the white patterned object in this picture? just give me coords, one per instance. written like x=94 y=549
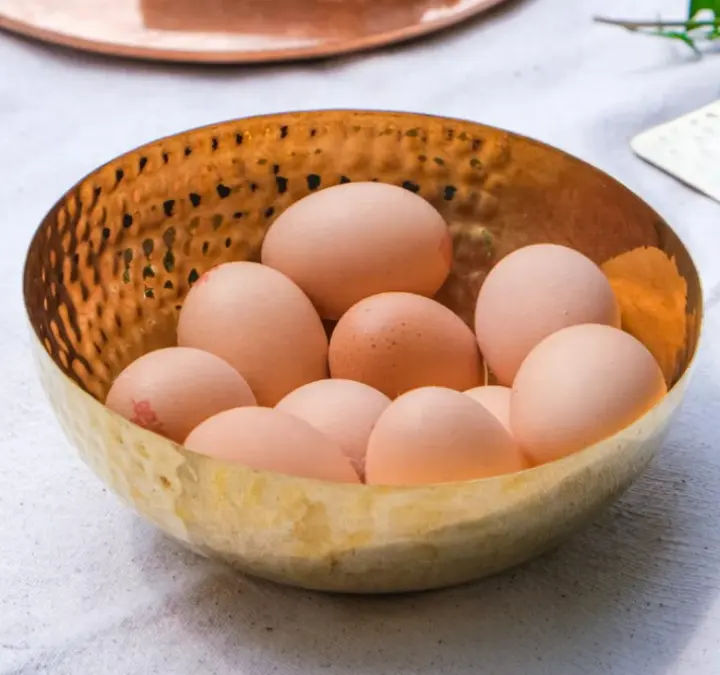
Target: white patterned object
x=687 y=148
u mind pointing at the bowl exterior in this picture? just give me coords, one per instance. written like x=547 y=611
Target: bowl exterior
x=354 y=539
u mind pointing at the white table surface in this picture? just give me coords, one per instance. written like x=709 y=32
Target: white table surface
x=86 y=588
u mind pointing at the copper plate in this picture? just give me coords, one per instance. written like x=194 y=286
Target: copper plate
x=232 y=31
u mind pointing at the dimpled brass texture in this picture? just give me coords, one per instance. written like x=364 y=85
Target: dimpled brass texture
x=109 y=267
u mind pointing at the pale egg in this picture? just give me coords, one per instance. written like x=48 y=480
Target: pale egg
x=261 y=323
x=579 y=386
x=496 y=400
x=344 y=410
x=270 y=440
x=532 y=293
x=437 y=435
x=171 y=391
x=351 y=241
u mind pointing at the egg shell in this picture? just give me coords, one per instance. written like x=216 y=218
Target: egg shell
x=344 y=410
x=171 y=391
x=270 y=440
x=437 y=435
x=532 y=293
x=351 y=241
x=395 y=342
x=496 y=400
x=261 y=323
x=579 y=386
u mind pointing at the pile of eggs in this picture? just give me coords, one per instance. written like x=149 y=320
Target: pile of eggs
x=345 y=290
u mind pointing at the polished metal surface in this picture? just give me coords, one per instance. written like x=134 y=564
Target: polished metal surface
x=109 y=267
x=232 y=31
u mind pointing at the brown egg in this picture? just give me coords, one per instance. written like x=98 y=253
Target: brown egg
x=396 y=342
x=345 y=411
x=171 y=391
x=351 y=241
x=532 y=293
x=437 y=435
x=496 y=400
x=270 y=440
x=261 y=323
x=579 y=386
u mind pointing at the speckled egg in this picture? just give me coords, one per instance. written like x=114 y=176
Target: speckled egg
x=395 y=342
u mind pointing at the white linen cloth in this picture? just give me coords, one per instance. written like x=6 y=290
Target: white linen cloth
x=86 y=588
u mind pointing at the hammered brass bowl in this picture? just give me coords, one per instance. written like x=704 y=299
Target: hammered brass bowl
x=109 y=267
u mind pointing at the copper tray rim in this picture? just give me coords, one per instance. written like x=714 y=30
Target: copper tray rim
x=236 y=57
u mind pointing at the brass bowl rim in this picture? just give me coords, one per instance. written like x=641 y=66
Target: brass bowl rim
x=362 y=112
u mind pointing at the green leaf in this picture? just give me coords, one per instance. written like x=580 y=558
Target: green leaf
x=697 y=6
x=700 y=27
x=683 y=37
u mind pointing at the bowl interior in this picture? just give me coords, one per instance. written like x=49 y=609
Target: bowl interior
x=110 y=265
